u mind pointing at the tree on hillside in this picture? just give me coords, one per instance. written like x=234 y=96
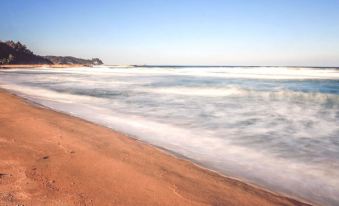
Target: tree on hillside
x=10 y=59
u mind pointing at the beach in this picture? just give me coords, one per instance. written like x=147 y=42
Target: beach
x=32 y=66
x=169 y=103
x=49 y=158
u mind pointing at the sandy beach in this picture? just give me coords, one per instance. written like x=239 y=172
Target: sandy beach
x=49 y=158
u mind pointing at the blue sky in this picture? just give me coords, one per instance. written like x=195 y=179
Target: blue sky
x=209 y=32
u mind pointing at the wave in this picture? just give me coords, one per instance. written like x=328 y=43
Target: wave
x=282 y=73
x=189 y=91
x=240 y=72
x=241 y=92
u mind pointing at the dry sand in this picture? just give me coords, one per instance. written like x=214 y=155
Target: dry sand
x=49 y=158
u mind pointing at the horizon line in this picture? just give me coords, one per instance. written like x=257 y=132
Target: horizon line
x=192 y=65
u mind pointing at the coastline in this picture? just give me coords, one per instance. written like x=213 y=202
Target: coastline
x=32 y=66
x=52 y=158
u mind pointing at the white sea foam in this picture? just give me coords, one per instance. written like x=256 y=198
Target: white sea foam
x=222 y=72
x=241 y=72
x=208 y=92
x=235 y=91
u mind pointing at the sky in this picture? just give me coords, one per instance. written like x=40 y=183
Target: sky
x=178 y=32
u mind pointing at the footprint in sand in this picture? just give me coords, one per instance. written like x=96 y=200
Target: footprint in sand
x=2 y=175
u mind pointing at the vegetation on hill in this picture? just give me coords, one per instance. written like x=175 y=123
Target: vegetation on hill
x=73 y=60
x=16 y=53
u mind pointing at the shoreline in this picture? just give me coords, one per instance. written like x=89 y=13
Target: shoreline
x=166 y=178
x=32 y=66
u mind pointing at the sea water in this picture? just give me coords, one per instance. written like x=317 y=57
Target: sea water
x=277 y=127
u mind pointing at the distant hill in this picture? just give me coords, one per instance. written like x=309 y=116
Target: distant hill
x=73 y=60
x=16 y=53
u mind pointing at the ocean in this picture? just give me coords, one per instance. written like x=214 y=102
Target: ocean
x=276 y=127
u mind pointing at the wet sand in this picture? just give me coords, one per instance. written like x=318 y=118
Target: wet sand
x=49 y=158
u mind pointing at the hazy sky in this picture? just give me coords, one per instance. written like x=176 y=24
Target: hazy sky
x=213 y=32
